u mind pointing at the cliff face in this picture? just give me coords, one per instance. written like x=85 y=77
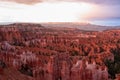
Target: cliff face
x=51 y=54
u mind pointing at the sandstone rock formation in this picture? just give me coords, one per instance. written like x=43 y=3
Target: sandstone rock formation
x=38 y=53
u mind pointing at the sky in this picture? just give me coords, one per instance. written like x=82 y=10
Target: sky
x=58 y=10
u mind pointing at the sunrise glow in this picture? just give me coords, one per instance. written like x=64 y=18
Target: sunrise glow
x=48 y=12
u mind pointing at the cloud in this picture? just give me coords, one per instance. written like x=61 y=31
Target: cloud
x=64 y=10
x=24 y=1
x=111 y=2
x=107 y=2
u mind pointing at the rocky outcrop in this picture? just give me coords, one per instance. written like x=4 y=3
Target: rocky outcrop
x=50 y=54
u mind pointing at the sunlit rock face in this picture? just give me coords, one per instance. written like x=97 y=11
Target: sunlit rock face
x=88 y=71
x=33 y=52
x=117 y=77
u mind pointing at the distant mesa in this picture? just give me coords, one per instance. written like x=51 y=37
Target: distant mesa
x=79 y=25
x=20 y=24
x=62 y=26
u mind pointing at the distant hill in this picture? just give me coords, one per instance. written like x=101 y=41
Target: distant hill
x=81 y=26
x=20 y=25
x=62 y=26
